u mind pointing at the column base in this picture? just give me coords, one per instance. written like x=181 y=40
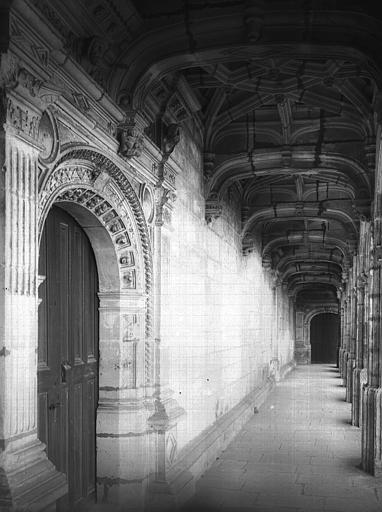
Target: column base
x=123 y=453
x=28 y=479
x=372 y=431
x=160 y=497
x=302 y=355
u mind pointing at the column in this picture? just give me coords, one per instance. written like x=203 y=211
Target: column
x=29 y=479
x=372 y=392
x=360 y=332
x=342 y=330
x=352 y=340
x=277 y=326
x=345 y=351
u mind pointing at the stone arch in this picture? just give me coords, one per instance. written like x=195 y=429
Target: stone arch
x=99 y=196
x=319 y=311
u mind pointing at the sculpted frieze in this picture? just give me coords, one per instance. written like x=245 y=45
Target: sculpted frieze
x=29 y=81
x=22 y=120
x=111 y=219
x=64 y=176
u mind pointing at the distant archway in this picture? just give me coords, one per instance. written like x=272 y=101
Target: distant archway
x=324 y=335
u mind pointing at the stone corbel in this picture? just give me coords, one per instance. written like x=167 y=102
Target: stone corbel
x=370 y=153
x=267 y=262
x=248 y=244
x=299 y=208
x=177 y=108
x=208 y=165
x=130 y=135
x=286 y=156
x=170 y=139
x=254 y=19
x=213 y=208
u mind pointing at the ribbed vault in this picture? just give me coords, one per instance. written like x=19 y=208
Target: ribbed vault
x=284 y=98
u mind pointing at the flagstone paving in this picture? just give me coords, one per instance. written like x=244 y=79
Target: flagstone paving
x=298 y=454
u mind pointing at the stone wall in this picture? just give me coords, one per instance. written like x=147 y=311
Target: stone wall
x=220 y=325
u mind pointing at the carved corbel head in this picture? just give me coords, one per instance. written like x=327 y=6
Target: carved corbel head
x=208 y=165
x=94 y=49
x=254 y=19
x=170 y=139
x=267 y=261
x=130 y=137
x=213 y=208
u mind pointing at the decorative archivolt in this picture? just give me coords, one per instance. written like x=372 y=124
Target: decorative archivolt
x=92 y=181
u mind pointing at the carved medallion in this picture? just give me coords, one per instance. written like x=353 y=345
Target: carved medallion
x=47 y=139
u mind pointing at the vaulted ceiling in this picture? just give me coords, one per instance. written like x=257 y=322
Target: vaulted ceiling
x=283 y=96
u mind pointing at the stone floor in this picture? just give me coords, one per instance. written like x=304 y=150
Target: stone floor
x=299 y=453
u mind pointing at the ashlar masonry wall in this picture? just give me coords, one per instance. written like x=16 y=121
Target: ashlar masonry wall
x=225 y=324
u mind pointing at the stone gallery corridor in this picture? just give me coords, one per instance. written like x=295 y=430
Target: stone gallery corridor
x=190 y=254
x=299 y=453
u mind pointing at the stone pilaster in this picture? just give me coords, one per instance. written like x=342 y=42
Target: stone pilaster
x=372 y=392
x=302 y=352
x=352 y=345
x=28 y=479
x=341 y=347
x=166 y=411
x=360 y=333
x=122 y=434
x=345 y=352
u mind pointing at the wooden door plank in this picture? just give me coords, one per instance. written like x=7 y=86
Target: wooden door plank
x=70 y=313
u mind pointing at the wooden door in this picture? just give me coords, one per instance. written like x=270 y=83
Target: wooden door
x=324 y=331
x=68 y=352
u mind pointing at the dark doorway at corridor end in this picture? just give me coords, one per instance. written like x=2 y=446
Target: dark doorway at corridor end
x=324 y=337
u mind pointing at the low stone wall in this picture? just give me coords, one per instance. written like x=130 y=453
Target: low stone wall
x=195 y=459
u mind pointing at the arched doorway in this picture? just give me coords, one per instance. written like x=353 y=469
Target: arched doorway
x=324 y=333
x=68 y=352
x=101 y=200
